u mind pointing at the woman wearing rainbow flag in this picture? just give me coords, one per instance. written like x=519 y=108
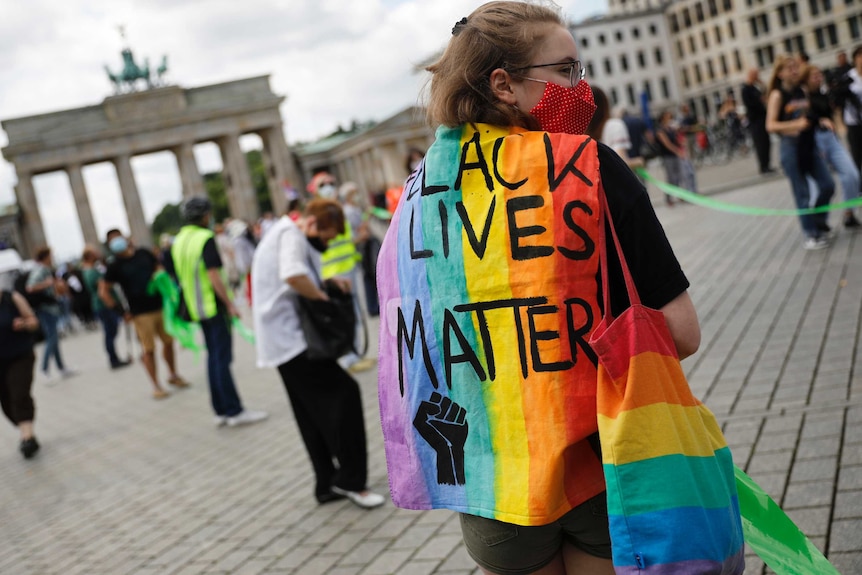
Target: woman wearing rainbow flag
x=489 y=286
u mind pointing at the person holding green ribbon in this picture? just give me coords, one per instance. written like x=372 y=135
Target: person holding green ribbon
x=195 y=262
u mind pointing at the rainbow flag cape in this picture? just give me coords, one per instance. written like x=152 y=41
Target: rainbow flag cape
x=672 y=501
x=488 y=289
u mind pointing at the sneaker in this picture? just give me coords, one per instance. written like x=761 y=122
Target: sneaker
x=178 y=382
x=245 y=417
x=29 y=447
x=816 y=243
x=220 y=420
x=851 y=222
x=365 y=499
x=66 y=373
x=362 y=365
x=121 y=364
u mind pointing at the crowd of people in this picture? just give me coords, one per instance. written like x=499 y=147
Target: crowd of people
x=509 y=76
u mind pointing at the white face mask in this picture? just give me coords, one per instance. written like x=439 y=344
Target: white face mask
x=326 y=191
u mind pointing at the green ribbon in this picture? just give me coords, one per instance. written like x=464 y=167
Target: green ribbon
x=181 y=330
x=244 y=332
x=774 y=536
x=708 y=202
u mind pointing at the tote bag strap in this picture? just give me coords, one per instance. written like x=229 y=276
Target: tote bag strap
x=605 y=212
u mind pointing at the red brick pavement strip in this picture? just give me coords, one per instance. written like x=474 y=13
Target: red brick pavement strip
x=125 y=484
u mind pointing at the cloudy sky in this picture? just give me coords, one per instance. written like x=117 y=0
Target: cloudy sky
x=335 y=60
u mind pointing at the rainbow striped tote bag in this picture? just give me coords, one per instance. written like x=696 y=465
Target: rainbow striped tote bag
x=672 y=502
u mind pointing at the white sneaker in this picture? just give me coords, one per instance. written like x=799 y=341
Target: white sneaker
x=245 y=417
x=68 y=372
x=366 y=499
x=816 y=243
x=220 y=420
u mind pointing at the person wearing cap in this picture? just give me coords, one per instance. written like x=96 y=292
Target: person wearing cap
x=132 y=268
x=195 y=262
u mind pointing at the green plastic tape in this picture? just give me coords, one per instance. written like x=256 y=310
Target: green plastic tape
x=184 y=332
x=244 y=332
x=708 y=202
x=774 y=536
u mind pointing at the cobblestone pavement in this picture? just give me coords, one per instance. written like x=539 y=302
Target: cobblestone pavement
x=128 y=485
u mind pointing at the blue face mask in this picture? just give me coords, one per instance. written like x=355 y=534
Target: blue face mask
x=118 y=245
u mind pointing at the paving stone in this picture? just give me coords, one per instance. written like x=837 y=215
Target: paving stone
x=417 y=567
x=818 y=448
x=808 y=494
x=851 y=454
x=848 y=505
x=389 y=562
x=459 y=560
x=776 y=442
x=822 y=427
x=364 y=553
x=770 y=462
x=847 y=562
x=439 y=547
x=815 y=469
x=414 y=537
x=850 y=478
x=845 y=536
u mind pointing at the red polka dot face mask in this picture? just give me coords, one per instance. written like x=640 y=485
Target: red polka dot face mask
x=566 y=110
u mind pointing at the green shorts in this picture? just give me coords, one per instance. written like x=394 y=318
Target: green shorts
x=510 y=549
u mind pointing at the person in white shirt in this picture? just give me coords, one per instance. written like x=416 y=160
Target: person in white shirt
x=612 y=132
x=325 y=399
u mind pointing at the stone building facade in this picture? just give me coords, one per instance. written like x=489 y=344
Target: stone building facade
x=374 y=158
x=710 y=44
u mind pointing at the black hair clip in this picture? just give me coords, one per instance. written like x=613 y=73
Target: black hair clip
x=458 y=26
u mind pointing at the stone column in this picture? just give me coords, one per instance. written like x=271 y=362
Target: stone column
x=240 y=195
x=31 y=221
x=82 y=204
x=279 y=166
x=193 y=184
x=132 y=200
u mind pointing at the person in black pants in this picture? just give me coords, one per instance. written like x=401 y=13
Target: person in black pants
x=326 y=400
x=17 y=324
x=755 y=109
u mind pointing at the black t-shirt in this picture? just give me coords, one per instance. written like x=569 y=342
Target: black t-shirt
x=133 y=274
x=656 y=272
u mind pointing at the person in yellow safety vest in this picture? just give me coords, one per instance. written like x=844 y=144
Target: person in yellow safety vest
x=195 y=262
x=341 y=260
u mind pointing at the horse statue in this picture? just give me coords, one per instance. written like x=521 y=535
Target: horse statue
x=128 y=77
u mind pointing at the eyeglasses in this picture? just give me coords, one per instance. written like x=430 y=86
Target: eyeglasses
x=575 y=71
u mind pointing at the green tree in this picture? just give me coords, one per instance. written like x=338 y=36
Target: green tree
x=168 y=221
x=216 y=191
x=259 y=180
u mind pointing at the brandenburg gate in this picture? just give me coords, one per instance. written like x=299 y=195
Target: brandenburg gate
x=165 y=118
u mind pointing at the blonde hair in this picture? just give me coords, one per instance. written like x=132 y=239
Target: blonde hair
x=780 y=62
x=496 y=35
